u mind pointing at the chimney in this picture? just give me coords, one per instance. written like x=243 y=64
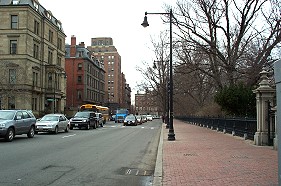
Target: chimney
x=73 y=46
x=82 y=44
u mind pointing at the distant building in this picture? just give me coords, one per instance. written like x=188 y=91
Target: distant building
x=102 y=49
x=145 y=103
x=85 y=77
x=32 y=53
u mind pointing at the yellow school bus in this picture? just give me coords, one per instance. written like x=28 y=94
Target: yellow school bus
x=88 y=107
x=104 y=111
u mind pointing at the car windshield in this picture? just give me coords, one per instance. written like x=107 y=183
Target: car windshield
x=130 y=117
x=138 y=117
x=50 y=118
x=82 y=115
x=7 y=115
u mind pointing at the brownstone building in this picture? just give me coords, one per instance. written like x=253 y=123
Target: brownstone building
x=85 y=77
x=32 y=49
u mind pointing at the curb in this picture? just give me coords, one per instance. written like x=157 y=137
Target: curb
x=158 y=173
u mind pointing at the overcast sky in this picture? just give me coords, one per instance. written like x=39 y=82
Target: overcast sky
x=121 y=20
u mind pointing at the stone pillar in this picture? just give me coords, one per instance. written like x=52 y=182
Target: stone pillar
x=264 y=93
x=277 y=77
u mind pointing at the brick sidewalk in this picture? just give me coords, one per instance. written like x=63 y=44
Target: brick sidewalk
x=201 y=156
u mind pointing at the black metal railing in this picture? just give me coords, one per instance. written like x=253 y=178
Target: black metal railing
x=243 y=127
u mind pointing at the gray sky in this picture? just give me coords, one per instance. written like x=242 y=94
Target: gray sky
x=120 y=20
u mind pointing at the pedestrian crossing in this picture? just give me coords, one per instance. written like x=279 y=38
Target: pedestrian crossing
x=126 y=127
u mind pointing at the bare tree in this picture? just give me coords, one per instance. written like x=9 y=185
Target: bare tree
x=227 y=40
x=155 y=72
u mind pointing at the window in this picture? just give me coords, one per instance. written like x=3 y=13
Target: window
x=14 y=21
x=59 y=43
x=79 y=94
x=80 y=54
x=50 y=57
x=36 y=51
x=25 y=115
x=50 y=80
x=57 y=81
x=80 y=66
x=11 y=103
x=59 y=61
x=12 y=76
x=79 y=79
x=13 y=46
x=14 y=2
x=35 y=5
x=35 y=79
x=36 y=27
x=51 y=36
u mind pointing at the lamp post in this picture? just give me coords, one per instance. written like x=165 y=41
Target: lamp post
x=171 y=135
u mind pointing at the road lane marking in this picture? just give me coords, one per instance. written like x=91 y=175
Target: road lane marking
x=68 y=136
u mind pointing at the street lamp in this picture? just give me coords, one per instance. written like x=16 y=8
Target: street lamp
x=171 y=135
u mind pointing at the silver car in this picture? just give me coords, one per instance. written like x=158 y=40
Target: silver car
x=16 y=122
x=52 y=123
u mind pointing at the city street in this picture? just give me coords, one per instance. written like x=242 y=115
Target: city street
x=112 y=155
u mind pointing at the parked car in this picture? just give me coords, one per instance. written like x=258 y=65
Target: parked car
x=139 y=119
x=84 y=119
x=16 y=122
x=149 y=117
x=99 y=118
x=52 y=123
x=144 y=118
x=130 y=120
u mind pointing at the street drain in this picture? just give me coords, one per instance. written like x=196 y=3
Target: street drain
x=136 y=172
x=190 y=154
x=240 y=157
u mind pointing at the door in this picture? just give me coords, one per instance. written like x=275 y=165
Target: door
x=19 y=123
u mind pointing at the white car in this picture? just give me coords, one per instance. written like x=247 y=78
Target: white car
x=149 y=117
x=52 y=123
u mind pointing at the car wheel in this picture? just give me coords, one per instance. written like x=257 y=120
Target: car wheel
x=97 y=125
x=31 y=132
x=10 y=135
x=56 y=130
x=88 y=126
x=67 y=128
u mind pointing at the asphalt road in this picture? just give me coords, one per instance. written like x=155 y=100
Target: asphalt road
x=110 y=156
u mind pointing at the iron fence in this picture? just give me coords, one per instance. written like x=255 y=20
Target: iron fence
x=243 y=127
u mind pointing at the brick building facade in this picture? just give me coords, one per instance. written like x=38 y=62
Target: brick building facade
x=85 y=77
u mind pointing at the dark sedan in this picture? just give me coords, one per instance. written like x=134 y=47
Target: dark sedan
x=130 y=120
